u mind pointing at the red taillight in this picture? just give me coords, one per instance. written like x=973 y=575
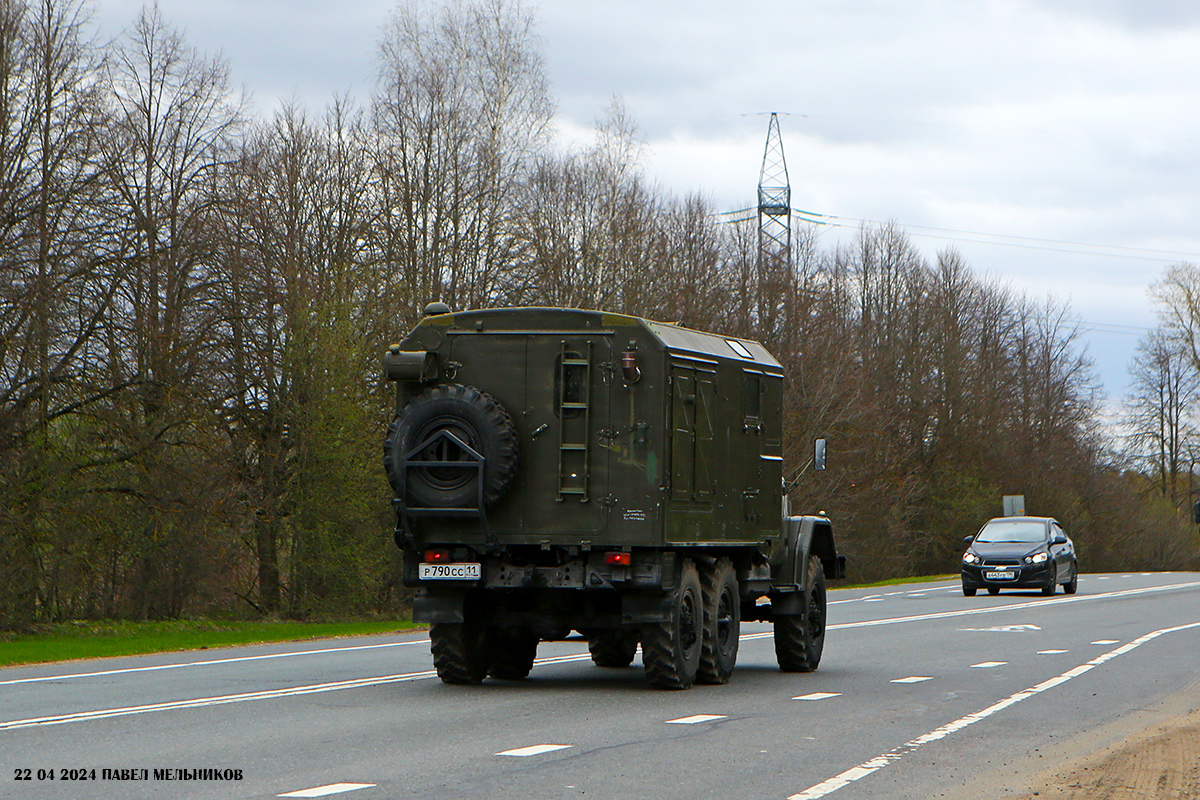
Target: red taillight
x=437 y=555
x=618 y=559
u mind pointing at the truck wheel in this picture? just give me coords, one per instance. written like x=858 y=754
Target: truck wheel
x=722 y=623
x=799 y=640
x=460 y=652
x=512 y=654
x=671 y=650
x=471 y=416
x=613 y=648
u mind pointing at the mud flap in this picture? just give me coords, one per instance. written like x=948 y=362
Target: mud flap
x=439 y=608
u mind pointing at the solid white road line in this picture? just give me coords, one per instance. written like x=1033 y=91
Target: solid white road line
x=333 y=788
x=831 y=785
x=201 y=702
x=1065 y=599
x=237 y=660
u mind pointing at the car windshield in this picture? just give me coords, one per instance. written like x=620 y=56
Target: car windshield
x=1025 y=532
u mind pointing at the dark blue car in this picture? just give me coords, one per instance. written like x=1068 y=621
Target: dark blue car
x=1020 y=553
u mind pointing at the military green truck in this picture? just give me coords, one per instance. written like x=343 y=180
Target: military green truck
x=559 y=470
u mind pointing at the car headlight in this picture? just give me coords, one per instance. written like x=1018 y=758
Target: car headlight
x=970 y=558
x=1036 y=558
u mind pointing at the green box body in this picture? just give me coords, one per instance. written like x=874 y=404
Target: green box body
x=688 y=453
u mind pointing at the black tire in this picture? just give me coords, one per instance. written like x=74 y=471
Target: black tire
x=671 y=649
x=1052 y=584
x=614 y=649
x=470 y=415
x=722 y=622
x=1071 y=586
x=460 y=652
x=993 y=590
x=512 y=654
x=800 y=640
x=969 y=591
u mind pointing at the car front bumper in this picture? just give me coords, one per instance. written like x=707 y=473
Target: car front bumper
x=1026 y=576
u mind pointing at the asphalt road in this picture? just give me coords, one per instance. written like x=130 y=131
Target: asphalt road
x=922 y=693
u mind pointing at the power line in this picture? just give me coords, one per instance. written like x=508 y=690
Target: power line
x=983 y=237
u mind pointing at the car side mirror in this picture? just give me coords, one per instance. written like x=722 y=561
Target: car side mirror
x=968 y=539
x=1059 y=540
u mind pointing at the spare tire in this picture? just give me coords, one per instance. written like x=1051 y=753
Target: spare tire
x=473 y=417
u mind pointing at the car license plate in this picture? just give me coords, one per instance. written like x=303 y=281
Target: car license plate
x=463 y=571
x=1004 y=575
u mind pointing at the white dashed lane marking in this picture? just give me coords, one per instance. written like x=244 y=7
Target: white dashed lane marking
x=913 y=679
x=534 y=750
x=818 y=696
x=988 y=664
x=867 y=768
x=333 y=788
x=1105 y=641
x=1050 y=652
x=692 y=720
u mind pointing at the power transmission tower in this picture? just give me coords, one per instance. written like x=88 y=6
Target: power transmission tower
x=774 y=226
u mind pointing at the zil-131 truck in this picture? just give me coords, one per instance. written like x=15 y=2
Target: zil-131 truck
x=560 y=470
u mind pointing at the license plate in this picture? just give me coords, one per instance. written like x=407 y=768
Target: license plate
x=464 y=571
x=1006 y=575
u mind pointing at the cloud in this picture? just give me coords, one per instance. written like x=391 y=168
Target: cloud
x=1072 y=120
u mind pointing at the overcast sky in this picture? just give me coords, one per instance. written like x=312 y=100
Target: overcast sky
x=975 y=124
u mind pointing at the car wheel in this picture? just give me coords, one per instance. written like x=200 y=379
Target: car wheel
x=1052 y=584
x=969 y=591
x=993 y=590
x=1072 y=585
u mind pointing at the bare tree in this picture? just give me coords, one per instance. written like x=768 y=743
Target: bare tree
x=1160 y=414
x=174 y=122
x=463 y=111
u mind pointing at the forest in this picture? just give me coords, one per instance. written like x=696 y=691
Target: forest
x=194 y=299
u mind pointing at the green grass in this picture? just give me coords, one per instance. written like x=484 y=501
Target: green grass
x=74 y=640
x=899 y=581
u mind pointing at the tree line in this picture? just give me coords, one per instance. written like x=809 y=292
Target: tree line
x=194 y=298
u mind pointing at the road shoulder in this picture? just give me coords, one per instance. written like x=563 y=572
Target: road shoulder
x=1153 y=753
